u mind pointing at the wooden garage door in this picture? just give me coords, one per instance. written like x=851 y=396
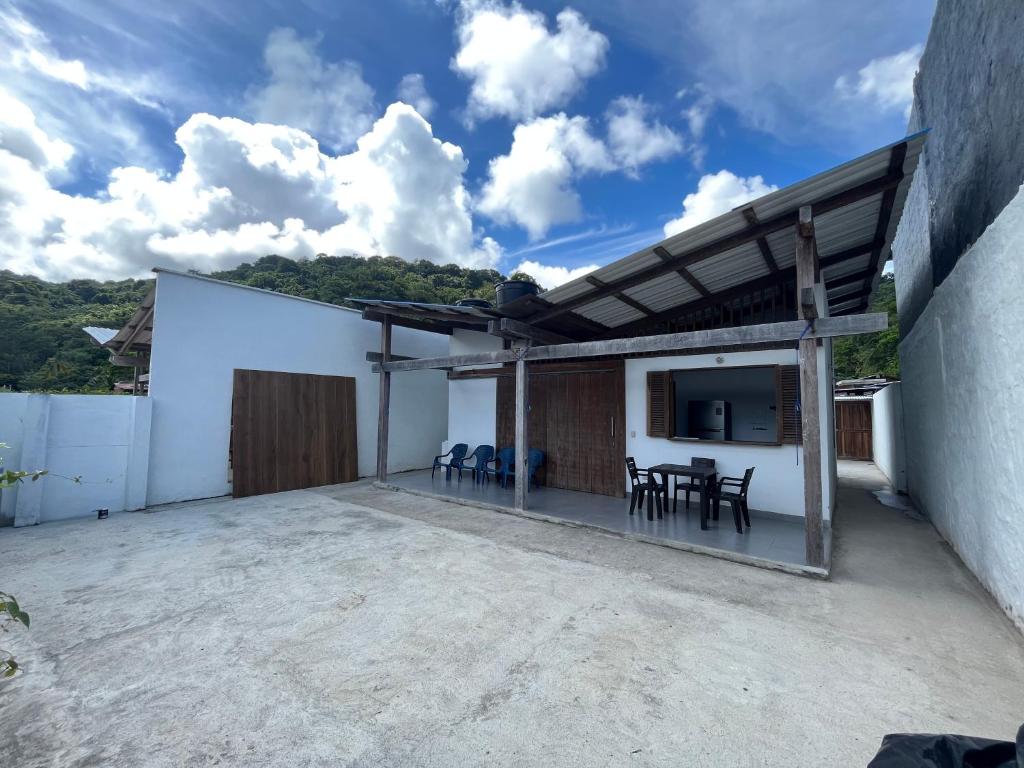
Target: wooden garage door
x=853 y=429
x=577 y=415
x=291 y=430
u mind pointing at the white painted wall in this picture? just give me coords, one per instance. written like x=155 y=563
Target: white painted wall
x=963 y=399
x=778 y=484
x=472 y=403
x=887 y=442
x=204 y=329
x=103 y=439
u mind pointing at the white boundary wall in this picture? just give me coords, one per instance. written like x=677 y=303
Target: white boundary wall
x=102 y=439
x=778 y=484
x=204 y=329
x=887 y=442
x=963 y=393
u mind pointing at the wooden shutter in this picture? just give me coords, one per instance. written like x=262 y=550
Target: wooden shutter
x=789 y=395
x=659 y=404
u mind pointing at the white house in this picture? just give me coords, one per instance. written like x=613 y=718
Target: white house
x=193 y=333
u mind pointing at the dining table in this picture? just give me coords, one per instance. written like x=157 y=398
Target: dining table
x=705 y=477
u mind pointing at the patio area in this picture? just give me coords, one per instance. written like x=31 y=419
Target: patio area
x=348 y=625
x=772 y=541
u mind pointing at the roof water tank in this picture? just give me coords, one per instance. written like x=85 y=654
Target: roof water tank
x=510 y=290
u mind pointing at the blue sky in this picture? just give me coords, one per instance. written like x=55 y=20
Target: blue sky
x=202 y=134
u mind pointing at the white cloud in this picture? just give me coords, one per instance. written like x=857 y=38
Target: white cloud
x=549 y=277
x=717 y=193
x=329 y=100
x=887 y=82
x=633 y=139
x=243 y=191
x=412 y=89
x=518 y=68
x=20 y=136
x=532 y=184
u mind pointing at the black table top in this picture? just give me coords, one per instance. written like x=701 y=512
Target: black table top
x=683 y=469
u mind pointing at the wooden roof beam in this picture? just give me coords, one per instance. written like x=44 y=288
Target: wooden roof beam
x=683 y=272
x=507 y=328
x=628 y=300
x=762 y=243
x=856 y=277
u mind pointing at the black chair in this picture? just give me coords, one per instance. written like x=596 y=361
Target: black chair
x=457 y=453
x=641 y=482
x=690 y=485
x=480 y=456
x=736 y=496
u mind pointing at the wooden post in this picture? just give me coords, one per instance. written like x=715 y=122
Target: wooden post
x=384 y=402
x=522 y=444
x=810 y=417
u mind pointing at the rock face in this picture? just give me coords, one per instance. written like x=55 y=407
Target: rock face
x=958 y=275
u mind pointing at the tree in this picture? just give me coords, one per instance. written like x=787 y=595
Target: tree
x=873 y=353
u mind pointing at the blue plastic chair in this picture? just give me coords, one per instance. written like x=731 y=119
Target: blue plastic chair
x=534 y=461
x=504 y=462
x=457 y=453
x=480 y=456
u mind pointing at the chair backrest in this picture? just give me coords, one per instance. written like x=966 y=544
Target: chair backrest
x=483 y=453
x=507 y=457
x=697 y=461
x=534 y=458
x=631 y=467
x=459 y=450
x=746 y=481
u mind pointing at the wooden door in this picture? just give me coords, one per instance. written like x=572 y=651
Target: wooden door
x=577 y=417
x=291 y=430
x=853 y=429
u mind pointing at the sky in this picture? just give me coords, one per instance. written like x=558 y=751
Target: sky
x=533 y=136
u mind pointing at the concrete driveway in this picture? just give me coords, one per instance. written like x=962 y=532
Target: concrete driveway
x=352 y=626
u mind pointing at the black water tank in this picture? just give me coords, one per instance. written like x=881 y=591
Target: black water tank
x=510 y=290
x=480 y=303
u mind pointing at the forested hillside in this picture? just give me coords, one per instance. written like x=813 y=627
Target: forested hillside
x=42 y=346
x=873 y=353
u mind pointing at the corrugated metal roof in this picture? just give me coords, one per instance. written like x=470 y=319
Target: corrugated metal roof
x=836 y=231
x=100 y=335
x=417 y=306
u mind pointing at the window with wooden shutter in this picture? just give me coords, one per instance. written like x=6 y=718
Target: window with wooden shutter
x=789 y=397
x=659 y=404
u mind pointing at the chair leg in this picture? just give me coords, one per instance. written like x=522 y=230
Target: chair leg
x=433 y=469
x=632 y=500
x=736 y=515
x=657 y=504
x=687 y=498
x=675 y=496
x=746 y=513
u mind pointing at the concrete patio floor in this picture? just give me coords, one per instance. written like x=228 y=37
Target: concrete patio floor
x=355 y=626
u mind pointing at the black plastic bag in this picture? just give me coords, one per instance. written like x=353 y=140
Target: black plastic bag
x=908 y=750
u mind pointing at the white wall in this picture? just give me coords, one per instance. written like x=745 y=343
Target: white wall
x=472 y=403
x=204 y=329
x=778 y=484
x=101 y=439
x=963 y=398
x=887 y=443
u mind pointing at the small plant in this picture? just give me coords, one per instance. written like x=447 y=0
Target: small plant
x=10 y=613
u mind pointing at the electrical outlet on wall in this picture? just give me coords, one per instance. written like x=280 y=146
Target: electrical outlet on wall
x=632 y=433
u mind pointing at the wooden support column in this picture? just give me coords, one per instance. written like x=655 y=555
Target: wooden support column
x=810 y=417
x=522 y=489
x=384 y=403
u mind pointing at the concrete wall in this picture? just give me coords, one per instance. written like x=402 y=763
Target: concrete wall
x=101 y=439
x=887 y=441
x=970 y=93
x=204 y=329
x=963 y=397
x=472 y=403
x=778 y=484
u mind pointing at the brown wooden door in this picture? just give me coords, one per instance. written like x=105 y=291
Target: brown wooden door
x=853 y=429
x=291 y=430
x=577 y=417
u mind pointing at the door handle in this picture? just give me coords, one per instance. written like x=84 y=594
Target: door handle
x=613 y=426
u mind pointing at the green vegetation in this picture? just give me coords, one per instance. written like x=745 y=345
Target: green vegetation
x=43 y=347
x=873 y=353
